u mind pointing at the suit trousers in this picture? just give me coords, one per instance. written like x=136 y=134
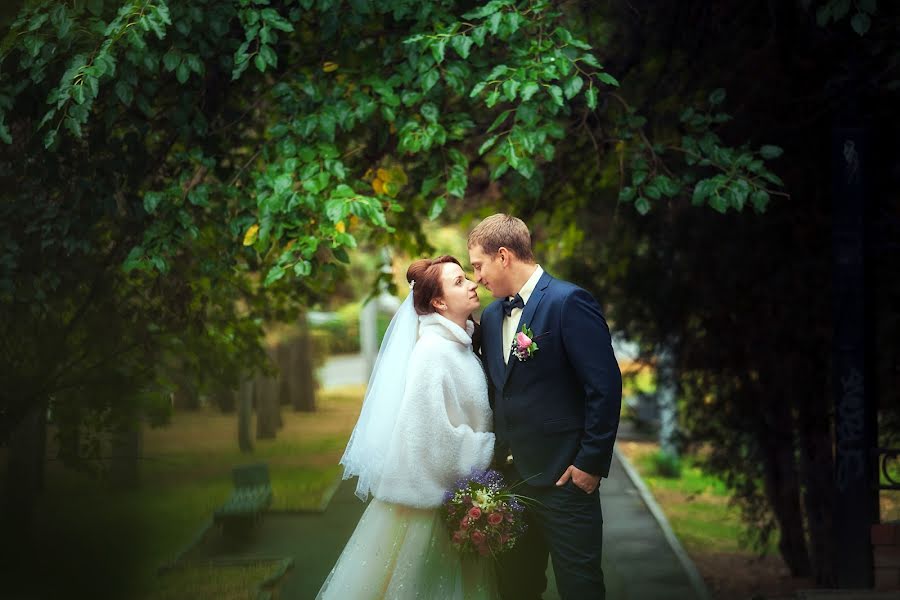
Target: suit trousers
x=567 y=524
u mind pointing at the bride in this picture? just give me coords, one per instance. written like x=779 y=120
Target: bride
x=425 y=423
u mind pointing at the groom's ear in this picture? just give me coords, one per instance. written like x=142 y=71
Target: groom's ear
x=504 y=255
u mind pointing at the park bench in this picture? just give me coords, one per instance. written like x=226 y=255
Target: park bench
x=252 y=495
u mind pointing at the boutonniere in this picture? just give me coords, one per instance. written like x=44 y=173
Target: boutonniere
x=525 y=343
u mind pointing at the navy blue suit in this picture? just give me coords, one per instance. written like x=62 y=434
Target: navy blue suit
x=559 y=407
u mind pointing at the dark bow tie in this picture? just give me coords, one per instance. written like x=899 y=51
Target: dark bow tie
x=509 y=305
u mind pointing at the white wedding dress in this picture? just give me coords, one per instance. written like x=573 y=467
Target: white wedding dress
x=401 y=548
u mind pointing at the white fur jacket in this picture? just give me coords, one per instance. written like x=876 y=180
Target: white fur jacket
x=443 y=430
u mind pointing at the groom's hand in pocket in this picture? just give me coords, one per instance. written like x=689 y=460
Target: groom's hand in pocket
x=585 y=481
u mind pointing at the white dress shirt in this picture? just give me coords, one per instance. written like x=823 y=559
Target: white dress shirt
x=511 y=323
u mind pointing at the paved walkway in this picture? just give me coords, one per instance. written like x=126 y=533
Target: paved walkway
x=642 y=560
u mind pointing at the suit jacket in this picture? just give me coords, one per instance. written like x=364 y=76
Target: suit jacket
x=561 y=406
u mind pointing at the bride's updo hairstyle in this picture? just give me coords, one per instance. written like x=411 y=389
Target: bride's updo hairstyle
x=426 y=272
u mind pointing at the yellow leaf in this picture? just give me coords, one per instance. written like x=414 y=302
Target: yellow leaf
x=250 y=235
x=378 y=186
x=329 y=66
x=369 y=173
x=354 y=221
x=341 y=228
x=384 y=175
x=398 y=175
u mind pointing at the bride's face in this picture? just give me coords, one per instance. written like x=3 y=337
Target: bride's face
x=458 y=299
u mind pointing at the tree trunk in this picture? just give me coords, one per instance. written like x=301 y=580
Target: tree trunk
x=268 y=408
x=302 y=374
x=127 y=449
x=667 y=397
x=185 y=398
x=245 y=416
x=24 y=476
x=817 y=472
x=225 y=400
x=781 y=479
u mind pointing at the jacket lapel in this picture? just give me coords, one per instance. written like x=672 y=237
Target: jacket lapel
x=493 y=324
x=526 y=318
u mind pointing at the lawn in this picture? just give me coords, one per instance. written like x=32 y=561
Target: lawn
x=92 y=538
x=696 y=506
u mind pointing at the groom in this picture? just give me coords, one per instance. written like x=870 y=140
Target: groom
x=556 y=410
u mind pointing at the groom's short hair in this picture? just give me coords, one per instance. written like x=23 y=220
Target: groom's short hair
x=506 y=231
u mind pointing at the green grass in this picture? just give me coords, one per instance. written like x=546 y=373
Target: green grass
x=219 y=582
x=89 y=535
x=696 y=504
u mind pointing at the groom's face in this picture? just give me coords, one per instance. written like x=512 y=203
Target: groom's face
x=489 y=271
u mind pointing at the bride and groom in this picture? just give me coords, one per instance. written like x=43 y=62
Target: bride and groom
x=534 y=391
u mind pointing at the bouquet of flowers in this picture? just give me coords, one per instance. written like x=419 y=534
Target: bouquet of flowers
x=482 y=515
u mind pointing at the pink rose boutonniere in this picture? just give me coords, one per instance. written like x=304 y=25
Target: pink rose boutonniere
x=525 y=344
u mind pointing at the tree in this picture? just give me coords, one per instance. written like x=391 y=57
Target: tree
x=175 y=175
x=748 y=299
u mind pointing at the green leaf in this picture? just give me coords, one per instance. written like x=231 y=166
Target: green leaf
x=171 y=60
x=573 y=86
x=429 y=184
x=487 y=145
x=260 y=63
x=760 y=199
x=591 y=96
x=269 y=55
x=430 y=112
x=770 y=152
x=652 y=192
x=125 y=92
x=492 y=98
x=274 y=274
x=702 y=190
x=456 y=184
x=462 y=44
x=642 y=205
x=438 y=49
x=608 y=79
x=510 y=86
x=182 y=73
x=483 y=11
x=557 y=94
x=528 y=90
x=839 y=9
x=302 y=268
x=429 y=78
x=626 y=194
x=437 y=207
x=151 y=201
x=341 y=255
x=861 y=23
x=717 y=96
x=666 y=185
x=499 y=120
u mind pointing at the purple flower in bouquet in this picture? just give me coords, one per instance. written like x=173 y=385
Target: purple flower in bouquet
x=482 y=515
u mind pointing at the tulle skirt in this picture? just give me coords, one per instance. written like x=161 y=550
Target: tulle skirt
x=398 y=552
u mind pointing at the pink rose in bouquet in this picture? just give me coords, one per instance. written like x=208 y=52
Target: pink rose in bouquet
x=483 y=516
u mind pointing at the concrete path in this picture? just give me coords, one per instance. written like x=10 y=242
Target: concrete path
x=642 y=559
